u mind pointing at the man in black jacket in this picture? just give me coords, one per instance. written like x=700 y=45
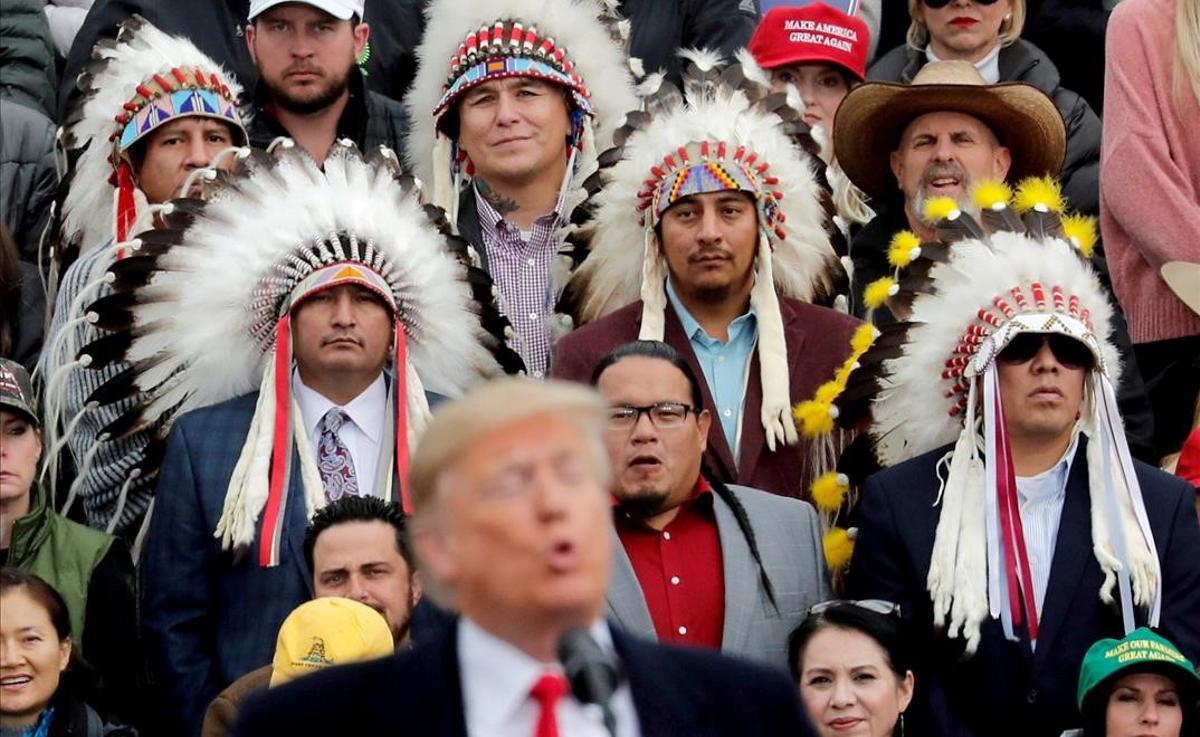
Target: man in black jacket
x=309 y=87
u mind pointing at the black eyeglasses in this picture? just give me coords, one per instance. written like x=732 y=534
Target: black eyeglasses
x=1068 y=351
x=935 y=4
x=662 y=415
x=879 y=606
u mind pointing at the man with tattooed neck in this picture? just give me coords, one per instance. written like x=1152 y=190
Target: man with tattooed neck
x=502 y=143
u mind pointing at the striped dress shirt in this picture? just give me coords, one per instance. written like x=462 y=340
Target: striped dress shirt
x=519 y=264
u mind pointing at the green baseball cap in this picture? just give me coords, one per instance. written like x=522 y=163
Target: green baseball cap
x=16 y=390
x=1142 y=650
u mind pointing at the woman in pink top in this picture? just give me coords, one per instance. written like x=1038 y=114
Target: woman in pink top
x=1150 y=194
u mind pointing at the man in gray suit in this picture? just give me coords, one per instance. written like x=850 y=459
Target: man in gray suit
x=700 y=563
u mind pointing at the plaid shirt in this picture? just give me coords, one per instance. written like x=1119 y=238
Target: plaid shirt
x=521 y=271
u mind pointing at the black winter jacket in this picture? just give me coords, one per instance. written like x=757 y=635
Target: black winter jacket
x=27 y=175
x=27 y=70
x=1024 y=62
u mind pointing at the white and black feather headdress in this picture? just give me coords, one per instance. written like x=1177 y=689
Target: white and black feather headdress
x=136 y=82
x=932 y=380
x=202 y=308
x=724 y=130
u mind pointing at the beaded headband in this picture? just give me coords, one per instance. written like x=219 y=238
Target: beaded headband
x=163 y=98
x=702 y=167
x=508 y=49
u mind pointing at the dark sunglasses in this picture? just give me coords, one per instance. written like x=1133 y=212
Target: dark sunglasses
x=935 y=4
x=1069 y=352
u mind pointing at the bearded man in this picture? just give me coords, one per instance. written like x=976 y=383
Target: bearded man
x=309 y=86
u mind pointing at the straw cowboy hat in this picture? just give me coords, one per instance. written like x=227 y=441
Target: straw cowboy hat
x=873 y=116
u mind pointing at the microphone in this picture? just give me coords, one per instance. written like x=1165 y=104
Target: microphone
x=593 y=674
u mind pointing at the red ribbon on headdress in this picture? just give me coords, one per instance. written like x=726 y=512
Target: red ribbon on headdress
x=1013 y=532
x=281 y=449
x=401 y=364
x=126 y=205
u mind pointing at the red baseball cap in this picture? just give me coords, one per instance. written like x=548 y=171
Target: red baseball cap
x=813 y=33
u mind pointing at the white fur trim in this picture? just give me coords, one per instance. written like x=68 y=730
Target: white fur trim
x=653 y=291
x=778 y=426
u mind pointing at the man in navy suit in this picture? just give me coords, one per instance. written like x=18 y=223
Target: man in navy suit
x=212 y=614
x=1024 y=685
x=509 y=491
x=224 y=562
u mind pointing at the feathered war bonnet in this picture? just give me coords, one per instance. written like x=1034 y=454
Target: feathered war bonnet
x=211 y=320
x=136 y=83
x=725 y=131
x=933 y=380
x=576 y=44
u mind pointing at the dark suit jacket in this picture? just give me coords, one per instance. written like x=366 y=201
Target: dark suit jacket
x=210 y=618
x=818 y=341
x=676 y=691
x=1004 y=689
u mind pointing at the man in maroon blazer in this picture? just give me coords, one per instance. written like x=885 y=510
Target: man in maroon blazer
x=736 y=249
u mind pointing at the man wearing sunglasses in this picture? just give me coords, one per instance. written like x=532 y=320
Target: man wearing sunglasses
x=699 y=562
x=1034 y=533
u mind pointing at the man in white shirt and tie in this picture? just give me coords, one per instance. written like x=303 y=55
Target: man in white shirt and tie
x=511 y=527
x=348 y=311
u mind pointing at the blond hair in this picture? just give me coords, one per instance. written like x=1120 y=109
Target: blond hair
x=493 y=406
x=1187 y=50
x=850 y=201
x=483 y=411
x=1010 y=29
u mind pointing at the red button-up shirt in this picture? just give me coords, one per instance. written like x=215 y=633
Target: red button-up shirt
x=680 y=570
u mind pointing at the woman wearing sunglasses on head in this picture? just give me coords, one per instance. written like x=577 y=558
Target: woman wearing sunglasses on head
x=1137 y=686
x=987 y=34
x=853 y=669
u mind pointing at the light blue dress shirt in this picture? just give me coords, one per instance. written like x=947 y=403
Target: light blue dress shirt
x=1041 y=499
x=725 y=364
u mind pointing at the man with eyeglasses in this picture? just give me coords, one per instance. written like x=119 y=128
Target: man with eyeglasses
x=699 y=562
x=1033 y=533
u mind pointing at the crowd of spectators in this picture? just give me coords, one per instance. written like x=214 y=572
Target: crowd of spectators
x=265 y=263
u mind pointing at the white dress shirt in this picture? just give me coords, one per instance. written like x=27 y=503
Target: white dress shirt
x=1040 y=499
x=497 y=679
x=361 y=435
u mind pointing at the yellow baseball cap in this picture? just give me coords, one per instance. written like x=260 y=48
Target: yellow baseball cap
x=325 y=632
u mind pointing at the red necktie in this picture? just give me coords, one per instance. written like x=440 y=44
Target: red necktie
x=547 y=691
